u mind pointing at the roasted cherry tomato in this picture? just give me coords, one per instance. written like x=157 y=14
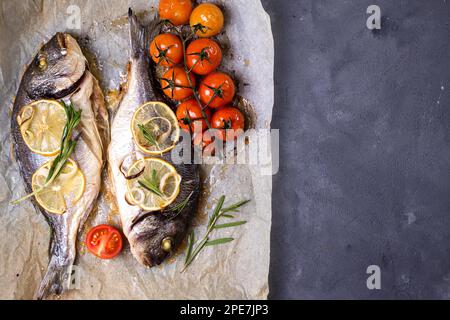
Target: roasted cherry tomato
x=203 y=56
x=226 y=119
x=175 y=84
x=217 y=90
x=176 y=11
x=166 y=50
x=207 y=20
x=189 y=114
x=104 y=241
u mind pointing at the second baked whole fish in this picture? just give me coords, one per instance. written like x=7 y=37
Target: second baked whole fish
x=153 y=234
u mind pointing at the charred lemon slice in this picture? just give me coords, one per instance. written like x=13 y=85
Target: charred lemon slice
x=155 y=128
x=156 y=184
x=41 y=124
x=65 y=190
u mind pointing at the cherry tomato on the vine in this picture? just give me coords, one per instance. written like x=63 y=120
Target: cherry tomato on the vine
x=176 y=11
x=166 y=50
x=230 y=121
x=217 y=90
x=189 y=114
x=175 y=84
x=104 y=241
x=207 y=20
x=203 y=56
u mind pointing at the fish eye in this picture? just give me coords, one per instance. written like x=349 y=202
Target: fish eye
x=42 y=62
x=166 y=244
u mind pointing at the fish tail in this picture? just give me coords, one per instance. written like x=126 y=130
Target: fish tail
x=139 y=36
x=56 y=279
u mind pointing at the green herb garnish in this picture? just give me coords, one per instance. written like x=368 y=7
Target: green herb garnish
x=180 y=207
x=219 y=212
x=67 y=146
x=152 y=184
x=148 y=136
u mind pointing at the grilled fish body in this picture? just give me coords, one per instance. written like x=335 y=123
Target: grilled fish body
x=59 y=72
x=146 y=231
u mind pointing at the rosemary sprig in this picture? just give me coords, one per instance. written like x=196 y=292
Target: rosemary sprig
x=180 y=207
x=152 y=184
x=67 y=146
x=219 y=212
x=148 y=136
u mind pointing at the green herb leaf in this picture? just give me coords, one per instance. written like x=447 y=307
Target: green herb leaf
x=218 y=241
x=229 y=216
x=234 y=207
x=180 y=207
x=217 y=210
x=230 y=225
x=148 y=135
x=152 y=184
x=191 y=241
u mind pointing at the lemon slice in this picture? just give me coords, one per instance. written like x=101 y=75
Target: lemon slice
x=41 y=124
x=159 y=174
x=65 y=190
x=155 y=128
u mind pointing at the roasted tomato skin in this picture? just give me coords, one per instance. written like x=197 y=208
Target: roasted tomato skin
x=104 y=241
x=203 y=56
x=228 y=118
x=176 y=11
x=175 y=84
x=192 y=108
x=166 y=50
x=210 y=17
x=220 y=84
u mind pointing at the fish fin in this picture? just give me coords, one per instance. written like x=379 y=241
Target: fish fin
x=56 y=279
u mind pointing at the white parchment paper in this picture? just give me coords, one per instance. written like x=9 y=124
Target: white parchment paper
x=238 y=270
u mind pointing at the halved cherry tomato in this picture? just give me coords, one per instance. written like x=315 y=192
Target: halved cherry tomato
x=217 y=90
x=203 y=56
x=189 y=114
x=104 y=241
x=207 y=20
x=230 y=121
x=175 y=84
x=176 y=11
x=166 y=50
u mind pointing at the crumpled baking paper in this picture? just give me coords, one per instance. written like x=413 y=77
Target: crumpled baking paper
x=238 y=270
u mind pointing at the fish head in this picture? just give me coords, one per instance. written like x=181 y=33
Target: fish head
x=154 y=238
x=56 y=69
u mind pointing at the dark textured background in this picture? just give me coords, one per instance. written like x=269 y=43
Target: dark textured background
x=365 y=149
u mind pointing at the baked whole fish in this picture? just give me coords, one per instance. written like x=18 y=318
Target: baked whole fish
x=59 y=71
x=146 y=232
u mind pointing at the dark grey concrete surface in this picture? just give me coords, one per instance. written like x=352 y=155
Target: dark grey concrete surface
x=365 y=149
